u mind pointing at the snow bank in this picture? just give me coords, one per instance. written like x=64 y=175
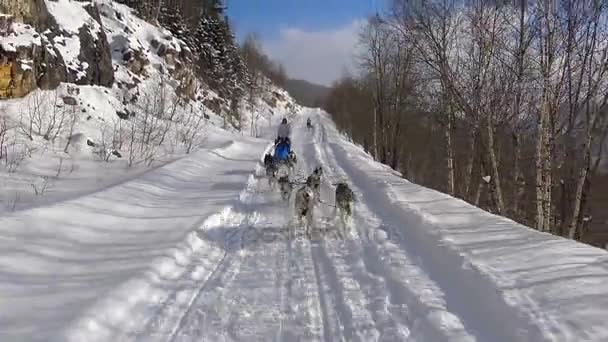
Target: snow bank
x=60 y=260
x=502 y=278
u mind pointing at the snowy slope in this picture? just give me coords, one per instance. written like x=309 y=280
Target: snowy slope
x=198 y=250
x=57 y=260
x=150 y=80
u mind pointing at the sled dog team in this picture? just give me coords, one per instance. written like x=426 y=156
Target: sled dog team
x=280 y=167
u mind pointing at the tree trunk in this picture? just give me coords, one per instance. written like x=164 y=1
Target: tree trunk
x=540 y=156
x=495 y=182
x=548 y=175
x=582 y=177
x=468 y=182
x=518 y=177
x=449 y=154
x=480 y=182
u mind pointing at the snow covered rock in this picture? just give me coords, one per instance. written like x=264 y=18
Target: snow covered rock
x=50 y=67
x=82 y=42
x=45 y=43
x=95 y=54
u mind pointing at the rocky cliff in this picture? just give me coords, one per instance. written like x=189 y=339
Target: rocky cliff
x=122 y=65
x=46 y=43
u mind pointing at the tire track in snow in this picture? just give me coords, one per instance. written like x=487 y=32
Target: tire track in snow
x=227 y=234
x=187 y=326
x=229 y=297
x=306 y=292
x=170 y=317
x=244 y=304
x=200 y=269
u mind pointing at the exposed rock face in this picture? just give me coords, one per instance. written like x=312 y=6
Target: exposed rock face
x=6 y=23
x=16 y=80
x=50 y=67
x=23 y=80
x=214 y=104
x=40 y=64
x=17 y=74
x=136 y=61
x=95 y=52
x=33 y=12
x=30 y=66
x=188 y=83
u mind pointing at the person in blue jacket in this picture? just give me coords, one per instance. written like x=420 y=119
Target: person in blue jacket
x=283 y=143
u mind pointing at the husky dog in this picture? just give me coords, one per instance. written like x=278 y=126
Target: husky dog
x=314 y=182
x=271 y=168
x=285 y=186
x=344 y=202
x=292 y=161
x=303 y=206
x=282 y=175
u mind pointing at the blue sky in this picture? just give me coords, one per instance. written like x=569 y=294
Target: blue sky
x=314 y=39
x=266 y=17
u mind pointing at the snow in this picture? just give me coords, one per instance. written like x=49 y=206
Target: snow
x=198 y=249
x=71 y=15
x=69 y=47
x=21 y=35
x=58 y=260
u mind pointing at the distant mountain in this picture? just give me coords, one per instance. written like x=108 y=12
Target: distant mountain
x=306 y=93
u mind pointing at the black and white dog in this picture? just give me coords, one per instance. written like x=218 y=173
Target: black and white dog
x=314 y=182
x=282 y=174
x=271 y=168
x=345 y=198
x=285 y=187
x=304 y=205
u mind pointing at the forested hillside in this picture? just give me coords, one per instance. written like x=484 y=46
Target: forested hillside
x=502 y=105
x=307 y=93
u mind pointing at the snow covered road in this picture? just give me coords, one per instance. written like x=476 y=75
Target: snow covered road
x=199 y=250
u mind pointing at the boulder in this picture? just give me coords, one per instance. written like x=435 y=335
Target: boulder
x=214 y=104
x=136 y=61
x=188 y=83
x=70 y=101
x=185 y=54
x=162 y=50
